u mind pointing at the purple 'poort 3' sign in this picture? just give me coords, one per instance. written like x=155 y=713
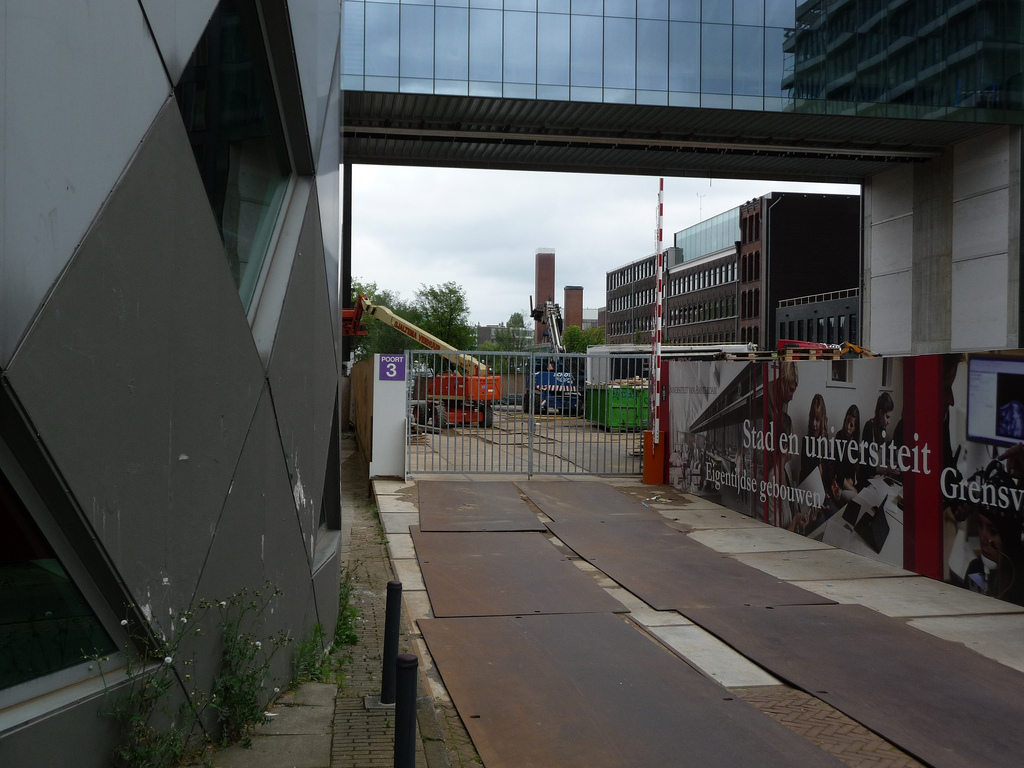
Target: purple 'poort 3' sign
x=392 y=368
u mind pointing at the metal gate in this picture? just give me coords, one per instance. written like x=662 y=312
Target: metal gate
x=526 y=413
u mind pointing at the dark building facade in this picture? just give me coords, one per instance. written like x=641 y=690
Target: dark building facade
x=629 y=306
x=824 y=318
x=701 y=300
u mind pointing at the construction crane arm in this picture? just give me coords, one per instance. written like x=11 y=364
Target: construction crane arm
x=551 y=315
x=467 y=363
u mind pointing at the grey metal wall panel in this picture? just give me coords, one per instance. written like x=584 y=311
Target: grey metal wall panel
x=76 y=735
x=82 y=84
x=326 y=586
x=328 y=190
x=303 y=373
x=141 y=375
x=177 y=27
x=316 y=29
x=258 y=538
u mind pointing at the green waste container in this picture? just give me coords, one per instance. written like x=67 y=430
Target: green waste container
x=618 y=407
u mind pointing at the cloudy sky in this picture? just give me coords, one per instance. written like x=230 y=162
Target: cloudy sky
x=481 y=229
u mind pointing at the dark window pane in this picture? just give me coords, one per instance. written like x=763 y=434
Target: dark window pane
x=684 y=10
x=229 y=106
x=352 y=29
x=417 y=56
x=620 y=8
x=652 y=9
x=382 y=29
x=716 y=12
x=652 y=55
x=684 y=57
x=748 y=11
x=451 y=44
x=585 y=51
x=775 y=61
x=520 y=47
x=780 y=13
x=748 y=61
x=588 y=7
x=552 y=49
x=45 y=623
x=619 y=53
x=716 y=58
x=485 y=45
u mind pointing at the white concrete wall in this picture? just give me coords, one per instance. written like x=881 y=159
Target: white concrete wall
x=389 y=413
x=941 y=250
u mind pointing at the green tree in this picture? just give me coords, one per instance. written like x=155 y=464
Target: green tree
x=445 y=313
x=577 y=340
x=381 y=338
x=514 y=336
x=573 y=340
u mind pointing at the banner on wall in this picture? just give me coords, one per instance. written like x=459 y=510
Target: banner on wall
x=857 y=453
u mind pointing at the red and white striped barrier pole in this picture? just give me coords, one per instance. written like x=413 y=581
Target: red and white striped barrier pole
x=658 y=301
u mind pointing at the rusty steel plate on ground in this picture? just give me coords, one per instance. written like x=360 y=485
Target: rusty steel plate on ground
x=500 y=574
x=670 y=571
x=590 y=691
x=586 y=500
x=944 y=704
x=447 y=505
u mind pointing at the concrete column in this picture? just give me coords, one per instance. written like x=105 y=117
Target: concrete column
x=932 y=250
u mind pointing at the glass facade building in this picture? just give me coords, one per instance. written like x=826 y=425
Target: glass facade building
x=887 y=58
x=709 y=236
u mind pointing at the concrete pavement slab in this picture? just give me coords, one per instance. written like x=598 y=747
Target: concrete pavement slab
x=819 y=564
x=644 y=614
x=707 y=519
x=713 y=657
x=408 y=572
x=417 y=606
x=295 y=721
x=386 y=487
x=765 y=538
x=396 y=504
x=997 y=637
x=305 y=751
x=400 y=546
x=908 y=596
x=602 y=579
x=399 y=522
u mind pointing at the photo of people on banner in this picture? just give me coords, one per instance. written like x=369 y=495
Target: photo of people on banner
x=824 y=448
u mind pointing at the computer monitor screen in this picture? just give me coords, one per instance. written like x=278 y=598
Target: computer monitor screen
x=995 y=400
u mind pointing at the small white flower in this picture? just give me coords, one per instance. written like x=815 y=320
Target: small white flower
x=277 y=690
x=124 y=622
x=168 y=659
x=259 y=644
x=223 y=603
x=184 y=620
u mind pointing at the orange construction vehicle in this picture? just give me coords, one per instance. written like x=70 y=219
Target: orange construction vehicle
x=439 y=399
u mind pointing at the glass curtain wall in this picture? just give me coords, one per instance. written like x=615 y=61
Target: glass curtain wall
x=882 y=57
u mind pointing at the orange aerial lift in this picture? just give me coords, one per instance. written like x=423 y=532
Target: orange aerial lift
x=440 y=399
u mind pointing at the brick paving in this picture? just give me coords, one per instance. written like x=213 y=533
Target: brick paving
x=829 y=728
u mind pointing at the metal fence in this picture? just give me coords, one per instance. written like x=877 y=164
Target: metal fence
x=526 y=413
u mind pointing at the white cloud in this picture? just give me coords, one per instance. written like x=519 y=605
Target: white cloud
x=481 y=229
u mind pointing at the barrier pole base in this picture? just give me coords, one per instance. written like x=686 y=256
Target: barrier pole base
x=654 y=458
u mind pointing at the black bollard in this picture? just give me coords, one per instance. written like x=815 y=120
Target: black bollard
x=392 y=625
x=405 y=711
